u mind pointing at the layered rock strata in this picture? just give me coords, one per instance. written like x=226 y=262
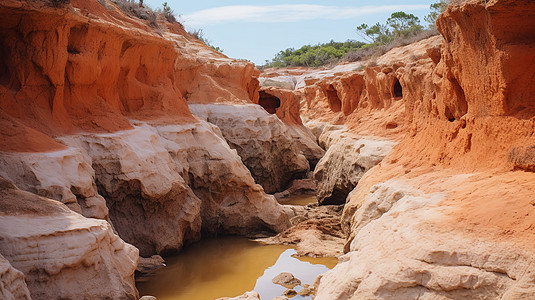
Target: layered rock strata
x=61 y=253
x=12 y=284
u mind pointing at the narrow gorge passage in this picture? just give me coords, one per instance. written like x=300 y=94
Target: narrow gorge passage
x=404 y=170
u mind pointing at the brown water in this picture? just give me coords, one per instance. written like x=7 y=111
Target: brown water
x=228 y=267
x=301 y=200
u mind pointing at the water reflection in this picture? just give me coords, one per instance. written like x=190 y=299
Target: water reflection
x=306 y=271
x=228 y=267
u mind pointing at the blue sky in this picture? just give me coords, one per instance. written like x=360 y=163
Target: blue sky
x=257 y=30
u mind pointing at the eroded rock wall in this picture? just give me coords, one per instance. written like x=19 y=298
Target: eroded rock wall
x=53 y=245
x=261 y=140
x=94 y=114
x=454 y=192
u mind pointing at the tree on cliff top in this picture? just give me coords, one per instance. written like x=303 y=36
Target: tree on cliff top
x=399 y=25
x=436 y=9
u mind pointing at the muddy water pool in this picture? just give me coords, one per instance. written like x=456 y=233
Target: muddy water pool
x=231 y=266
x=228 y=267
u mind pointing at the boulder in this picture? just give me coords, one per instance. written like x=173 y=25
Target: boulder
x=287 y=280
x=231 y=201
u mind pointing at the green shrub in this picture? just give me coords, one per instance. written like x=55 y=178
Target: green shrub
x=168 y=13
x=314 y=56
x=131 y=8
x=199 y=34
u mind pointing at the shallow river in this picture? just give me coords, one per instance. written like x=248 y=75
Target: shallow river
x=228 y=267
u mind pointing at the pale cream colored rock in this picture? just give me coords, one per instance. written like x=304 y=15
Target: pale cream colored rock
x=347 y=158
x=287 y=280
x=64 y=175
x=306 y=142
x=232 y=203
x=12 y=284
x=150 y=204
x=316 y=232
x=62 y=254
x=399 y=251
x=283 y=82
x=261 y=140
x=251 y=295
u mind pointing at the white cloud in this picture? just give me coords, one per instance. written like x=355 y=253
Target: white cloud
x=287 y=13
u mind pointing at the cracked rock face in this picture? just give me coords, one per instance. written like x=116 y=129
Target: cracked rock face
x=347 y=158
x=62 y=254
x=261 y=140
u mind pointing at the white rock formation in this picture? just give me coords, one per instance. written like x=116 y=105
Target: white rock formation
x=62 y=254
x=64 y=175
x=150 y=204
x=347 y=158
x=232 y=203
x=306 y=142
x=282 y=82
x=12 y=284
x=262 y=141
x=401 y=250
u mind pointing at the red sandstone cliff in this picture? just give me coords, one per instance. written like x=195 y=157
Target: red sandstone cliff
x=443 y=215
x=94 y=114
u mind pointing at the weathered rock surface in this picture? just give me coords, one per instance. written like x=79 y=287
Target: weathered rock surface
x=347 y=158
x=287 y=280
x=298 y=187
x=61 y=253
x=231 y=201
x=65 y=175
x=316 y=231
x=287 y=108
x=261 y=140
x=12 y=284
x=405 y=245
x=282 y=82
x=251 y=295
x=154 y=177
x=150 y=205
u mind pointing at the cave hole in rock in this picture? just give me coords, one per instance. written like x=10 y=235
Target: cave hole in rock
x=332 y=96
x=449 y=114
x=461 y=103
x=269 y=102
x=397 y=90
x=5 y=53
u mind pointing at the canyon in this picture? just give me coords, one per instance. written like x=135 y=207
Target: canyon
x=121 y=139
